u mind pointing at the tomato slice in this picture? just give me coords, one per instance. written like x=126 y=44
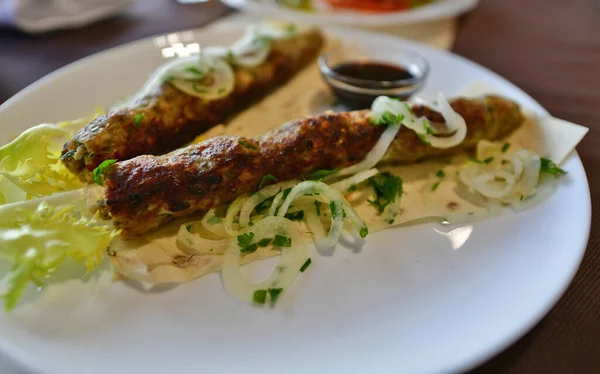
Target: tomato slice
x=372 y=5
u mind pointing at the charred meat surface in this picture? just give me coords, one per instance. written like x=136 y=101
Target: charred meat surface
x=168 y=118
x=146 y=191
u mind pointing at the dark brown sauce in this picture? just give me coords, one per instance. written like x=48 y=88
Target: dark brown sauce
x=373 y=71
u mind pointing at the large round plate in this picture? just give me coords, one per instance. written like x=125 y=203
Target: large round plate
x=436 y=10
x=406 y=303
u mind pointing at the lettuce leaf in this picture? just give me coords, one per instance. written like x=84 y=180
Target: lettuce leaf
x=39 y=235
x=31 y=163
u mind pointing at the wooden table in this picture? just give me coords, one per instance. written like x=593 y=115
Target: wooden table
x=550 y=48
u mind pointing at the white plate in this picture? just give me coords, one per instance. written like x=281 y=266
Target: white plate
x=406 y=303
x=436 y=10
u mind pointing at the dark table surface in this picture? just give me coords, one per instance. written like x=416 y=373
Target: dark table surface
x=550 y=48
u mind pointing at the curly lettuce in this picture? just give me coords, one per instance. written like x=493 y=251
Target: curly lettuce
x=30 y=165
x=39 y=235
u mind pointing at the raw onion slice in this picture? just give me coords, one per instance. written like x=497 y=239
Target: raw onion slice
x=214 y=223
x=232 y=212
x=216 y=71
x=291 y=260
x=197 y=243
x=343 y=185
x=259 y=197
x=339 y=204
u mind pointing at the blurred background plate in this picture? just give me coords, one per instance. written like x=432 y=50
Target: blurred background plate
x=320 y=15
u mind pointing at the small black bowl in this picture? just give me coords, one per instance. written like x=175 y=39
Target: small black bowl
x=358 y=93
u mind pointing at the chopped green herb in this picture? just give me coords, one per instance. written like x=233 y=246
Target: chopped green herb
x=522 y=197
x=265 y=179
x=488 y=160
x=100 y=169
x=320 y=174
x=291 y=28
x=296 y=216
x=306 y=265
x=364 y=231
x=245 y=242
x=250 y=223
x=198 y=88
x=193 y=70
x=264 y=242
x=352 y=188
x=409 y=108
x=427 y=125
x=550 y=167
x=266 y=204
x=435 y=186
x=473 y=159
x=387 y=187
x=274 y=293
x=505 y=147
x=260 y=296
x=448 y=161
x=334 y=209
x=229 y=55
x=387 y=118
x=390 y=221
x=504 y=162
x=286 y=192
x=221 y=90
x=282 y=241
x=69 y=154
x=318 y=206
x=189 y=228
x=440 y=174
x=138 y=119
x=248 y=145
x=170 y=78
x=423 y=139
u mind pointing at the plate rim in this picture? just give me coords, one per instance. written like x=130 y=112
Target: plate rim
x=25 y=360
x=349 y=18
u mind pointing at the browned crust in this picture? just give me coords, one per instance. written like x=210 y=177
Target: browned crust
x=170 y=118
x=146 y=191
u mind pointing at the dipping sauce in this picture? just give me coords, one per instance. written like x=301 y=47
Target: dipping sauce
x=373 y=71
x=357 y=83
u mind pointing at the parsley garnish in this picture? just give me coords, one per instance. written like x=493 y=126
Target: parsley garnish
x=522 y=197
x=473 y=159
x=387 y=118
x=320 y=174
x=364 y=231
x=198 y=88
x=427 y=125
x=296 y=216
x=488 y=160
x=69 y=154
x=264 y=205
x=306 y=265
x=245 y=242
x=352 y=188
x=274 y=293
x=265 y=179
x=440 y=174
x=189 y=228
x=318 y=206
x=550 y=167
x=282 y=241
x=260 y=296
x=291 y=28
x=264 y=242
x=194 y=70
x=138 y=119
x=334 y=211
x=387 y=187
x=504 y=162
x=229 y=55
x=435 y=186
x=505 y=147
x=221 y=90
x=423 y=139
x=247 y=145
x=100 y=169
